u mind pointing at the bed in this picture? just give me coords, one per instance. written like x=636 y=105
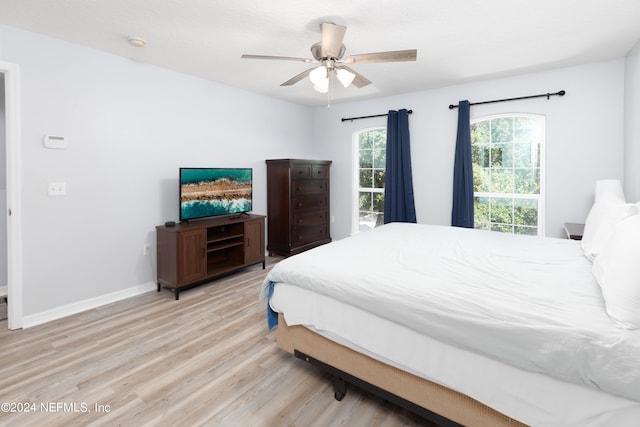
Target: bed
x=466 y=327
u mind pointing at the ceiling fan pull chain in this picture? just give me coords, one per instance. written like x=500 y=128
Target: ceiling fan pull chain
x=330 y=91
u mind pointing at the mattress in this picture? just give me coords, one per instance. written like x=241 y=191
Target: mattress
x=527 y=302
x=532 y=398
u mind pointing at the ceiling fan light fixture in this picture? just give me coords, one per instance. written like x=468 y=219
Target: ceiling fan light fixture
x=346 y=77
x=322 y=86
x=318 y=75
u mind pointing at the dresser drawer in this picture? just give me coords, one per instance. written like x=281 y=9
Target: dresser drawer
x=305 y=235
x=320 y=172
x=309 y=218
x=310 y=186
x=301 y=172
x=306 y=171
x=311 y=202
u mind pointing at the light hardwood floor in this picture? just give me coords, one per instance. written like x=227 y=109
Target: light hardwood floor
x=207 y=359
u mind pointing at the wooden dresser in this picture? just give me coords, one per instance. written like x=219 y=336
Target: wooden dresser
x=297 y=205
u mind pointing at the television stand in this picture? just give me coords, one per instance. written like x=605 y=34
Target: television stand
x=193 y=253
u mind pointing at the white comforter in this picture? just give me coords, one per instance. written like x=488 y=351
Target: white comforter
x=528 y=301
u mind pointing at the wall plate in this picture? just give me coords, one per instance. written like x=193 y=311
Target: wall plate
x=57 y=189
x=55 y=142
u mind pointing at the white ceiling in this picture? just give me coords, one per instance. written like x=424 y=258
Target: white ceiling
x=457 y=40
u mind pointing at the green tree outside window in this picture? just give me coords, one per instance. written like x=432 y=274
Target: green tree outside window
x=507 y=173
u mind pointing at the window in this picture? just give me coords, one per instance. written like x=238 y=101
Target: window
x=370 y=156
x=507 y=152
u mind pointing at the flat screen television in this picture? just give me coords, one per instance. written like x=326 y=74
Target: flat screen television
x=208 y=192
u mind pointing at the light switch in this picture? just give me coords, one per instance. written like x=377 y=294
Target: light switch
x=57 y=189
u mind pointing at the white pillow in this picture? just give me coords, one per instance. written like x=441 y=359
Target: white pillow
x=602 y=217
x=617 y=270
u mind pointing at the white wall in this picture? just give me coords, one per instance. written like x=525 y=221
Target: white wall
x=632 y=125
x=129 y=127
x=584 y=138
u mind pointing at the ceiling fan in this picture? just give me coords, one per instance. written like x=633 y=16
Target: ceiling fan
x=329 y=53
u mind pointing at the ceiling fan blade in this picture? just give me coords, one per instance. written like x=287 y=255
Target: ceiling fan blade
x=280 y=58
x=296 y=79
x=359 y=80
x=332 y=36
x=392 y=56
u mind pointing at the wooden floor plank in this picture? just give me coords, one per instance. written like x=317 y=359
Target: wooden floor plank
x=207 y=359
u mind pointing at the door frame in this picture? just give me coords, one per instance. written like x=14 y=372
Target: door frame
x=14 y=191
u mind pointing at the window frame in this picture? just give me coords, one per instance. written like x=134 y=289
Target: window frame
x=355 y=174
x=541 y=197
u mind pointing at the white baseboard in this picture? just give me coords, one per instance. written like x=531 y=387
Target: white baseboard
x=3 y=291
x=80 y=306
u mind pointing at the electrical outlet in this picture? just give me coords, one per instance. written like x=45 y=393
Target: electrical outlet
x=146 y=249
x=57 y=189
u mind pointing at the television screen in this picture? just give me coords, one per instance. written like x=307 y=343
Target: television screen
x=208 y=192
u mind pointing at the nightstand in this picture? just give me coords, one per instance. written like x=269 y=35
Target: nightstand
x=574 y=230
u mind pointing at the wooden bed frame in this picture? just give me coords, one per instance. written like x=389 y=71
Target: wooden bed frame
x=433 y=401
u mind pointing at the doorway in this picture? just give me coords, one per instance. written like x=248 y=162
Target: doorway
x=11 y=214
x=3 y=208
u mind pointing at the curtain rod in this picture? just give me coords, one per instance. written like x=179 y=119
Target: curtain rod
x=368 y=117
x=548 y=95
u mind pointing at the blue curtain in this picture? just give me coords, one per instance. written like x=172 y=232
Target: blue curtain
x=462 y=212
x=398 y=184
